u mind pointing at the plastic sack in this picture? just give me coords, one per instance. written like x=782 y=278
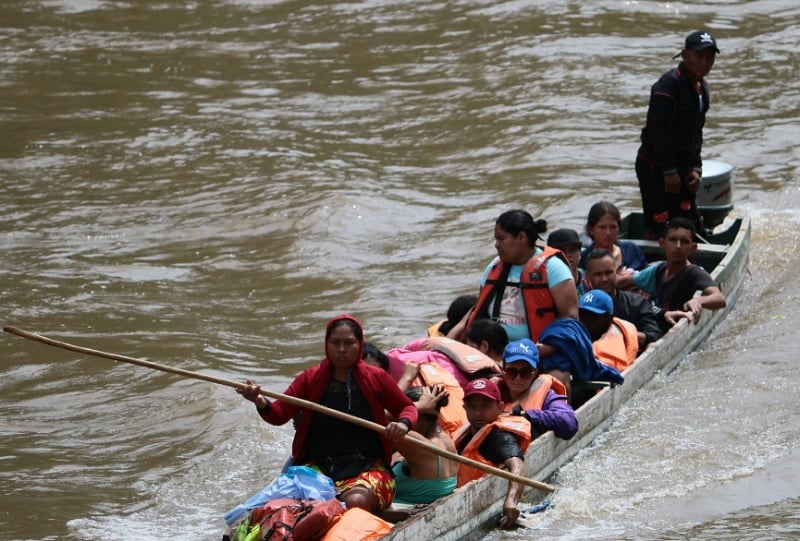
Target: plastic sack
x=297 y=482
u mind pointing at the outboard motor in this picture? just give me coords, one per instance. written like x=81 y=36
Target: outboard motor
x=715 y=193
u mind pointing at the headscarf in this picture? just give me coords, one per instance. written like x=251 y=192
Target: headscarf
x=359 y=332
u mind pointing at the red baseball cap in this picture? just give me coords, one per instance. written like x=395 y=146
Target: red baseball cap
x=484 y=387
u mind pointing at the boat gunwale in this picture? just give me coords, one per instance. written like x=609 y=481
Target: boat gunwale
x=458 y=515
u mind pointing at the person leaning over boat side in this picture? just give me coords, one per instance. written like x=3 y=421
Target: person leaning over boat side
x=566 y=353
x=524 y=287
x=459 y=308
x=602 y=225
x=601 y=273
x=668 y=165
x=420 y=476
x=429 y=374
x=461 y=360
x=569 y=242
x=673 y=282
x=493 y=439
x=356 y=458
x=540 y=398
x=614 y=340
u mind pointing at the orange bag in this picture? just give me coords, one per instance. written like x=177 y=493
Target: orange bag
x=358 y=525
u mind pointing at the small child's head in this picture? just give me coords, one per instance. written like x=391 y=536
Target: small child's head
x=487 y=336
x=372 y=355
x=457 y=310
x=416 y=392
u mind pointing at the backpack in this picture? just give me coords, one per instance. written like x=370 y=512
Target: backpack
x=284 y=519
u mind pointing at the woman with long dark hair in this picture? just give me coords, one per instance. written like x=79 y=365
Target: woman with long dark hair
x=525 y=287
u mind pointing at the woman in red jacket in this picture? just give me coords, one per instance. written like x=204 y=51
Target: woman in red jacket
x=356 y=458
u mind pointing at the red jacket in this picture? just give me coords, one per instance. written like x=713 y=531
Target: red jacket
x=378 y=387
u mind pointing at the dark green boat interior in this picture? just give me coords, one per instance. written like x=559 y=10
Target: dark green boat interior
x=708 y=255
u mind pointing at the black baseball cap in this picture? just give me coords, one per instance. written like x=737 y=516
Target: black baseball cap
x=699 y=40
x=563 y=237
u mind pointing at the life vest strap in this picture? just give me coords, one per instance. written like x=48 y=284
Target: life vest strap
x=528 y=285
x=545 y=310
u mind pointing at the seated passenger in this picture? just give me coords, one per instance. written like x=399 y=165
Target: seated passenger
x=673 y=282
x=493 y=439
x=428 y=374
x=614 y=340
x=460 y=360
x=602 y=225
x=601 y=274
x=489 y=337
x=375 y=357
x=455 y=313
x=540 y=398
x=568 y=241
x=420 y=476
x=524 y=287
x=355 y=457
x=566 y=353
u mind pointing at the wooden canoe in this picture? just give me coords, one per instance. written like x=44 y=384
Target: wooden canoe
x=467 y=509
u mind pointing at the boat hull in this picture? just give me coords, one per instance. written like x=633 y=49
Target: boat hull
x=466 y=510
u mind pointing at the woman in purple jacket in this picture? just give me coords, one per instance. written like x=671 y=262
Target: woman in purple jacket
x=540 y=398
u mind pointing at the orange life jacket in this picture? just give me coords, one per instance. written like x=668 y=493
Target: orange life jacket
x=433 y=330
x=468 y=359
x=540 y=308
x=452 y=416
x=534 y=398
x=619 y=345
x=516 y=424
x=356 y=524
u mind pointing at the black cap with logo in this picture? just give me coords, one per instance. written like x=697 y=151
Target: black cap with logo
x=699 y=41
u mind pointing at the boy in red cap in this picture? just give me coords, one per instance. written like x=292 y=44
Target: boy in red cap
x=493 y=439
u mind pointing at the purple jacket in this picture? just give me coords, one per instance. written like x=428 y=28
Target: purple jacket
x=556 y=415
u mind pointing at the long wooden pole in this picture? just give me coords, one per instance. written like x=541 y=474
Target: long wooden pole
x=286 y=398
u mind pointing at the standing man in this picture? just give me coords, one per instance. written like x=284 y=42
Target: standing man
x=668 y=165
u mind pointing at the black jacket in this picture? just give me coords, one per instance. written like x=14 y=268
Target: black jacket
x=641 y=312
x=673 y=135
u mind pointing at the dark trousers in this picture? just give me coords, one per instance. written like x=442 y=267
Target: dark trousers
x=659 y=206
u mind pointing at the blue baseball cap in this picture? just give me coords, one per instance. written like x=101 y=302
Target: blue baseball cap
x=522 y=350
x=596 y=301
